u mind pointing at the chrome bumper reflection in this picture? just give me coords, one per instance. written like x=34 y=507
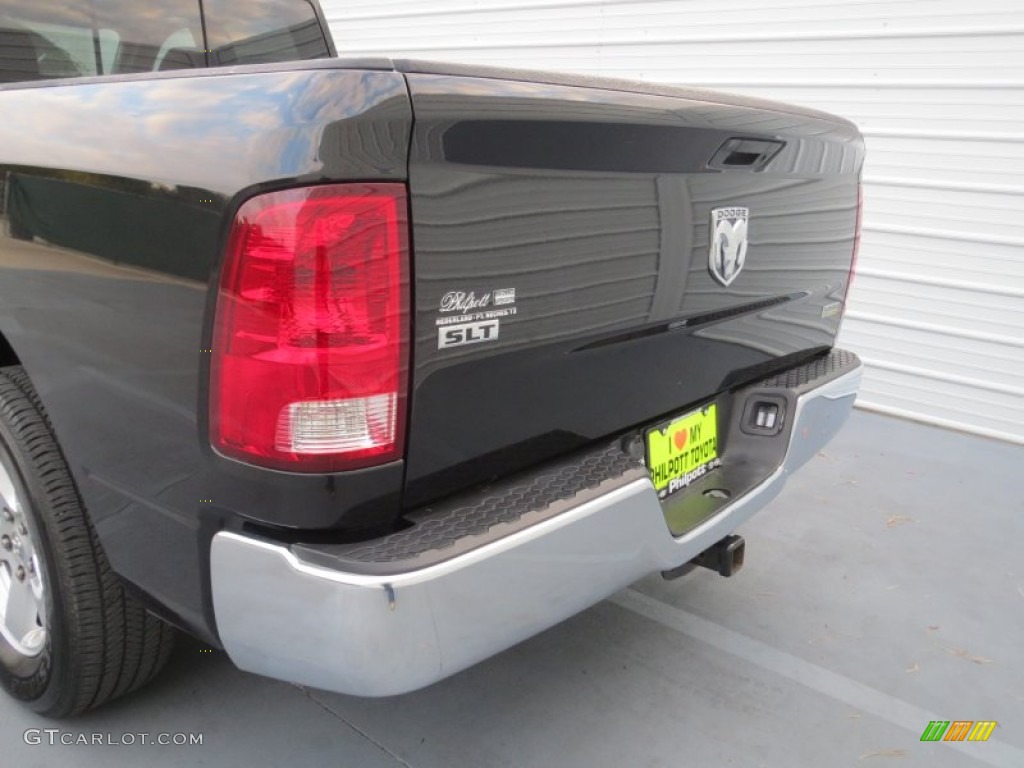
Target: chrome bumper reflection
x=381 y=635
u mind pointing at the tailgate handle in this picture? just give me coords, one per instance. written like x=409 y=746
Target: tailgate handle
x=745 y=154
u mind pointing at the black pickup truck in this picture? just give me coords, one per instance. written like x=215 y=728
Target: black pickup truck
x=365 y=370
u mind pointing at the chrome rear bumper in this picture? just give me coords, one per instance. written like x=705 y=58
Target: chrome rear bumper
x=377 y=635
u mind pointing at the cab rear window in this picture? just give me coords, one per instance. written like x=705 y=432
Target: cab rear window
x=264 y=32
x=44 y=39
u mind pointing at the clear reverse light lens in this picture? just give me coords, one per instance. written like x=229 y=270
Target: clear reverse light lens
x=337 y=426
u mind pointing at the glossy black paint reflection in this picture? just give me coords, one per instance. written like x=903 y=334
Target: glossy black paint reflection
x=116 y=196
x=593 y=201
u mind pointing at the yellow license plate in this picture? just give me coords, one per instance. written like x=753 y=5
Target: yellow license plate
x=683 y=450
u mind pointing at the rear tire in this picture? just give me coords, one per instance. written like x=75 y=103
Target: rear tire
x=74 y=638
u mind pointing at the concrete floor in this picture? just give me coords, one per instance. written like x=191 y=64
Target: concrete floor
x=883 y=589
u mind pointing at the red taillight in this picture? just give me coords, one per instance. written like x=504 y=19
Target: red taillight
x=310 y=342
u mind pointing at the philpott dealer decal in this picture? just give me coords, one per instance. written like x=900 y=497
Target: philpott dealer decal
x=471 y=318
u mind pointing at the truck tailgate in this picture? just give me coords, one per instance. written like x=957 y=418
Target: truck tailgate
x=589 y=257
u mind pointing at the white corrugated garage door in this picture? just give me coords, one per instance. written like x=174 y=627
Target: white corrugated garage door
x=937 y=86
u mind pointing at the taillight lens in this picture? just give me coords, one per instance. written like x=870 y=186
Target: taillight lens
x=310 y=343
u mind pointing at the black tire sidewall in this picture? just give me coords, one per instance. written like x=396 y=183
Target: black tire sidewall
x=36 y=681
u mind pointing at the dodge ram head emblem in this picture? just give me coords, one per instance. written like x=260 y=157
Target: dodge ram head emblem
x=728 y=243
